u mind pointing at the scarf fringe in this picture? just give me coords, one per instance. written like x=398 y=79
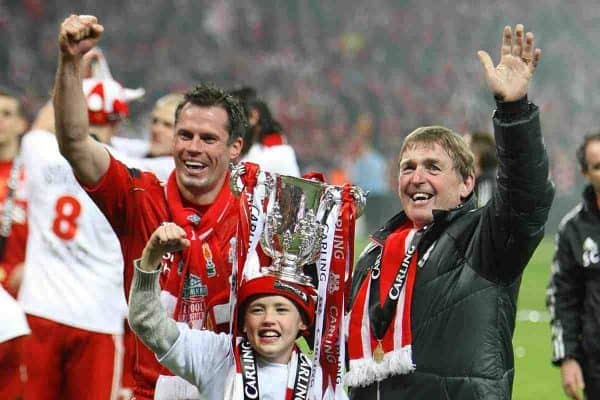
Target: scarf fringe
x=365 y=371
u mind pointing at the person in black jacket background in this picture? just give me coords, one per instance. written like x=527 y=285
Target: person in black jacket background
x=434 y=294
x=484 y=150
x=573 y=297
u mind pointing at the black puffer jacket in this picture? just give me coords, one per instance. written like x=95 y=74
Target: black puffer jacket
x=573 y=296
x=465 y=293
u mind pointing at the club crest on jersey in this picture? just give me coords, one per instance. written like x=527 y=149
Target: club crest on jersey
x=194 y=219
x=211 y=270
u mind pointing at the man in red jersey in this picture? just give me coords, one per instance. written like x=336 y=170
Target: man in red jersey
x=13 y=226
x=209 y=125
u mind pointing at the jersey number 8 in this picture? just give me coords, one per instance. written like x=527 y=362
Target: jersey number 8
x=65 y=222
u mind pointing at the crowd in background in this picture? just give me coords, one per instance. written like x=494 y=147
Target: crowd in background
x=327 y=67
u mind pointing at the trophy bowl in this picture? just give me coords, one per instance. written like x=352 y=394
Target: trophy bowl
x=295 y=222
x=294 y=225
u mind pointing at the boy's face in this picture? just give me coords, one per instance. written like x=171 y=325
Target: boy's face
x=271 y=324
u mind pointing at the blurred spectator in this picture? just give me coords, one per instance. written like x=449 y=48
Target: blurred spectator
x=366 y=165
x=13 y=204
x=247 y=97
x=483 y=146
x=269 y=147
x=13 y=240
x=161 y=128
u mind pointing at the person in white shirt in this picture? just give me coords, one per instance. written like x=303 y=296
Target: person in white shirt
x=161 y=128
x=261 y=362
x=264 y=143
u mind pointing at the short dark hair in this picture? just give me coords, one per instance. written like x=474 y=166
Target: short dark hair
x=580 y=153
x=208 y=95
x=266 y=124
x=483 y=144
x=247 y=96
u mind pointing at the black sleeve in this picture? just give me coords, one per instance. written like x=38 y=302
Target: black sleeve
x=564 y=299
x=512 y=223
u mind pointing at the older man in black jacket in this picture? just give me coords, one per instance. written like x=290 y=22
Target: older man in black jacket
x=434 y=294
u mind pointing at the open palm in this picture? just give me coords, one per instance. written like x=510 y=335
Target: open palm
x=509 y=80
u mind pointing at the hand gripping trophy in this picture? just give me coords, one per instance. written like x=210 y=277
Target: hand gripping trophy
x=300 y=222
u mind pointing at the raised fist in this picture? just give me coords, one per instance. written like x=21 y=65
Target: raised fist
x=78 y=34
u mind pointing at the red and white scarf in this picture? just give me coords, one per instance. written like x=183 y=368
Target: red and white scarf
x=203 y=269
x=365 y=368
x=243 y=384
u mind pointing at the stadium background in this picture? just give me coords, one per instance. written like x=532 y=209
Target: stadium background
x=325 y=66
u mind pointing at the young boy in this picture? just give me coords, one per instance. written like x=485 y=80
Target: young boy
x=263 y=363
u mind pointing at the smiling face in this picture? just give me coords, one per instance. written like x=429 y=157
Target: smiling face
x=202 y=152
x=429 y=181
x=272 y=324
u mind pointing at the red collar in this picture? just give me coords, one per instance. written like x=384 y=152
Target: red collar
x=185 y=213
x=273 y=139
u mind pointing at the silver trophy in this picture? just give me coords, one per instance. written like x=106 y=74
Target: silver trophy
x=295 y=218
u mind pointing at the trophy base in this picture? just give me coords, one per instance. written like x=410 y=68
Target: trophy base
x=290 y=274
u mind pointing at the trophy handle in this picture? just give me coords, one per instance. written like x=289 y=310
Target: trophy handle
x=235 y=182
x=360 y=199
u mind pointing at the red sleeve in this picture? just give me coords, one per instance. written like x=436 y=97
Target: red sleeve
x=111 y=193
x=134 y=205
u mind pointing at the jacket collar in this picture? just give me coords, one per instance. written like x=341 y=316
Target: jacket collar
x=441 y=219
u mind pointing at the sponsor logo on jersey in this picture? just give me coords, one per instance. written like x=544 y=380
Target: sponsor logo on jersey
x=194 y=219
x=590 y=253
x=193 y=309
